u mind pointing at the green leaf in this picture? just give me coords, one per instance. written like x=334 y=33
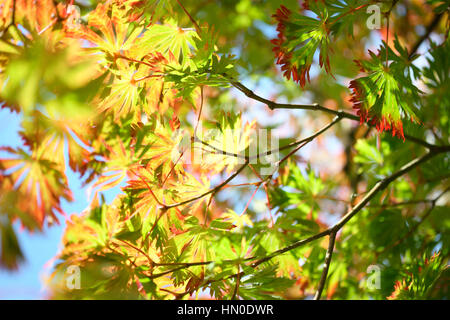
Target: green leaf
x=170 y=38
x=299 y=38
x=386 y=95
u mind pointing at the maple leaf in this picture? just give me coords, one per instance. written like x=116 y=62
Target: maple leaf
x=213 y=71
x=134 y=82
x=134 y=59
x=160 y=96
x=169 y=39
x=111 y=20
x=385 y=96
x=118 y=149
x=36 y=16
x=164 y=155
x=436 y=74
x=137 y=152
x=419 y=280
x=82 y=235
x=299 y=37
x=288 y=263
x=220 y=145
x=48 y=136
x=38 y=181
x=237 y=220
x=118 y=162
x=122 y=96
x=194 y=244
x=188 y=187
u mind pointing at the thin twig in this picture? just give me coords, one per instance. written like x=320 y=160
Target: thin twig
x=273 y=105
x=214 y=190
x=148 y=187
x=328 y=256
x=417 y=225
x=138 y=249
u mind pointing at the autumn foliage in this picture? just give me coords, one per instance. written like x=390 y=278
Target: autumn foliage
x=144 y=99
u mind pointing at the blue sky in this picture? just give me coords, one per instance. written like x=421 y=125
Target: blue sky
x=38 y=248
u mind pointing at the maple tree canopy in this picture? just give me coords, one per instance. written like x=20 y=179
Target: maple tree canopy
x=255 y=150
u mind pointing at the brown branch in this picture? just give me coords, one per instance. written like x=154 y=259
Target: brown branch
x=158 y=275
x=328 y=256
x=121 y=56
x=291 y=247
x=311 y=138
x=152 y=263
x=148 y=187
x=273 y=105
x=352 y=10
x=219 y=151
x=238 y=282
x=315 y=107
x=399 y=204
x=267 y=153
x=173 y=168
x=382 y=184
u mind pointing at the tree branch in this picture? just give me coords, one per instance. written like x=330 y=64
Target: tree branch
x=380 y=185
x=267 y=153
x=328 y=256
x=310 y=138
x=291 y=247
x=273 y=105
x=315 y=107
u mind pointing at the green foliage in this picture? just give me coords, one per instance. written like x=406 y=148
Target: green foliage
x=420 y=280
